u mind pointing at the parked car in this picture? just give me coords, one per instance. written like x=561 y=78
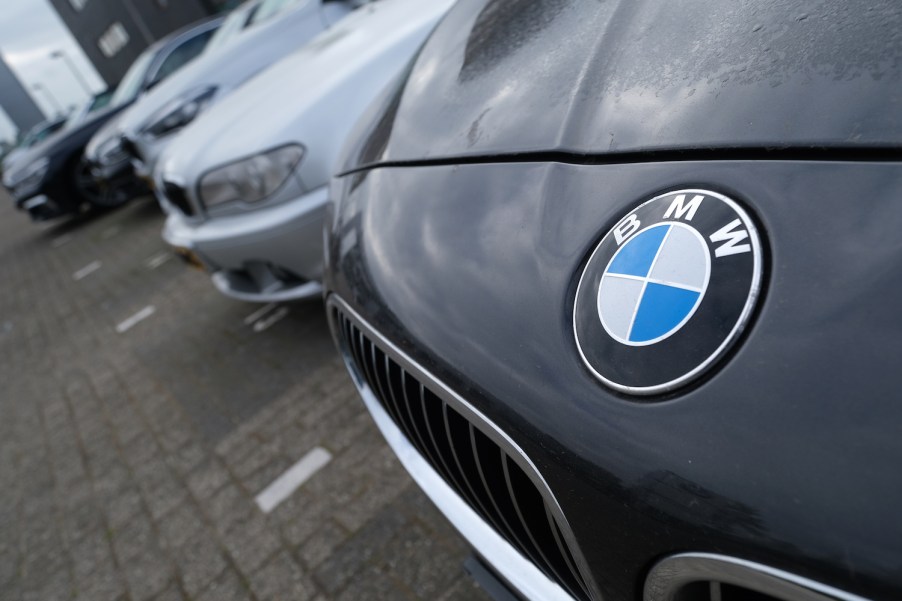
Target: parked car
x=34 y=136
x=620 y=283
x=108 y=161
x=246 y=185
x=273 y=29
x=52 y=180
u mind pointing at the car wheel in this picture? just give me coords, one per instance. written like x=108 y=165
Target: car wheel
x=97 y=192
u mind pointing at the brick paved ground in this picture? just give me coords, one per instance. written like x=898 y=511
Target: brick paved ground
x=129 y=461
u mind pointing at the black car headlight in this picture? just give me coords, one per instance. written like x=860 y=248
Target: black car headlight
x=180 y=112
x=252 y=179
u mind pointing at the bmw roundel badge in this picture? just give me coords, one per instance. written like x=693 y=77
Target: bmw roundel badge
x=667 y=291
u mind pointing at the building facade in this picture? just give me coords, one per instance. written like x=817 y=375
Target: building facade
x=113 y=33
x=16 y=103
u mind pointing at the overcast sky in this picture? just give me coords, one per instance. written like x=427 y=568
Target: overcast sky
x=29 y=31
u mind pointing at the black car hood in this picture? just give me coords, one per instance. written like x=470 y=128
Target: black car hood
x=63 y=141
x=593 y=77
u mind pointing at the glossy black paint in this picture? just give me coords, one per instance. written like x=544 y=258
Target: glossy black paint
x=64 y=150
x=788 y=454
x=473 y=197
x=591 y=76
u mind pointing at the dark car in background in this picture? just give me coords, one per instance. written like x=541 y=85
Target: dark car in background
x=51 y=179
x=620 y=284
x=106 y=155
x=35 y=135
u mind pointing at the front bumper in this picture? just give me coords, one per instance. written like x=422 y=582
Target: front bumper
x=41 y=208
x=785 y=456
x=268 y=255
x=518 y=572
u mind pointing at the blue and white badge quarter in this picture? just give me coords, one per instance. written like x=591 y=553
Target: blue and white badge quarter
x=667 y=291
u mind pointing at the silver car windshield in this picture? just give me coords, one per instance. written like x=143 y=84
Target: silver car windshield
x=237 y=20
x=269 y=8
x=134 y=78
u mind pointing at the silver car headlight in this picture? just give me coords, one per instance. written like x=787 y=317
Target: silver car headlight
x=111 y=152
x=180 y=112
x=252 y=179
x=32 y=176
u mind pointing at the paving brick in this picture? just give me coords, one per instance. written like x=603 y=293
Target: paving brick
x=134 y=539
x=208 y=478
x=266 y=475
x=170 y=594
x=129 y=462
x=351 y=557
x=102 y=588
x=199 y=562
x=187 y=457
x=53 y=586
x=373 y=584
x=282 y=579
x=147 y=575
x=250 y=543
x=228 y=587
x=121 y=507
x=322 y=543
x=91 y=554
x=179 y=526
x=229 y=507
x=419 y=562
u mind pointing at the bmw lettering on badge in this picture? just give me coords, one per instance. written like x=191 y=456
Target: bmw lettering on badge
x=667 y=291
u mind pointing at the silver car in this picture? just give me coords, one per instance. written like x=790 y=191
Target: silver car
x=268 y=30
x=246 y=185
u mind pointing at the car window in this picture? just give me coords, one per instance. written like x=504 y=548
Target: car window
x=130 y=86
x=182 y=55
x=39 y=133
x=100 y=101
x=270 y=8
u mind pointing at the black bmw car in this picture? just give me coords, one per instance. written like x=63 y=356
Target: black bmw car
x=51 y=179
x=620 y=282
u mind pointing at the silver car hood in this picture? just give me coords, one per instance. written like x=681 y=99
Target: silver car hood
x=251 y=51
x=312 y=98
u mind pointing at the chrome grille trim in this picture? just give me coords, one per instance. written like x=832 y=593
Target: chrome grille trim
x=670 y=575
x=401 y=395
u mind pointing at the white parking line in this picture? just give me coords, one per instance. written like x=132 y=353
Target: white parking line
x=265 y=324
x=86 y=270
x=134 y=319
x=259 y=313
x=290 y=481
x=158 y=259
x=60 y=240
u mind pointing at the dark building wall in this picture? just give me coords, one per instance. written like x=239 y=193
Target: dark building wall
x=16 y=102
x=114 y=32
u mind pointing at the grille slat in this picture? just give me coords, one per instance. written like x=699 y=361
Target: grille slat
x=378 y=375
x=396 y=382
x=531 y=509
x=561 y=546
x=458 y=430
x=418 y=418
x=474 y=465
x=435 y=424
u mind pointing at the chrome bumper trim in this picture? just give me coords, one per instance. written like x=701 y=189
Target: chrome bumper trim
x=670 y=575
x=300 y=292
